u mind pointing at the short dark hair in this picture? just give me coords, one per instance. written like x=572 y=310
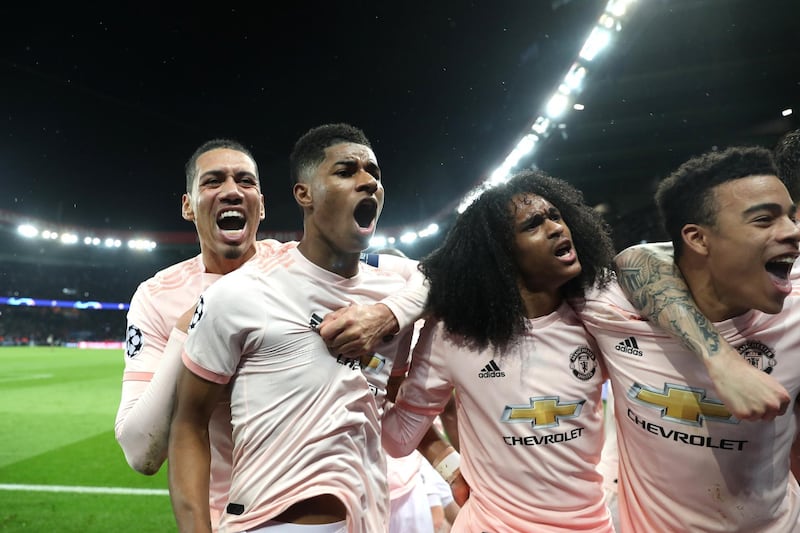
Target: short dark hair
x=687 y=197
x=309 y=150
x=787 y=159
x=473 y=274
x=213 y=144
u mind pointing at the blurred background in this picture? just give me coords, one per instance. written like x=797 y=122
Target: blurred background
x=102 y=106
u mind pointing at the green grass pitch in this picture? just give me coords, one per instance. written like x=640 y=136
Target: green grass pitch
x=57 y=409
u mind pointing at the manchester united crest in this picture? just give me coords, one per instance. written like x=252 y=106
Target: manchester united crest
x=759 y=355
x=583 y=363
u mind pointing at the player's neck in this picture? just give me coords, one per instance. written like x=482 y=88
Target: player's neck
x=716 y=306
x=324 y=256
x=215 y=263
x=540 y=303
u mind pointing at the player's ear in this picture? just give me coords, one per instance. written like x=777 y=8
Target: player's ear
x=263 y=213
x=187 y=210
x=695 y=238
x=302 y=195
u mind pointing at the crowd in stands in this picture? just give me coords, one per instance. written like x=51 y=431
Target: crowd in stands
x=50 y=274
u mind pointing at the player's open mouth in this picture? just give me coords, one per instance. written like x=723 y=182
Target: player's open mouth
x=231 y=221
x=563 y=249
x=780 y=267
x=365 y=212
x=565 y=252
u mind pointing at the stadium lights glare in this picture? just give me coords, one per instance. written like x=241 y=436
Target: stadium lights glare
x=610 y=22
x=377 y=241
x=69 y=238
x=574 y=78
x=432 y=229
x=557 y=105
x=471 y=197
x=597 y=40
x=141 y=244
x=786 y=112
x=409 y=237
x=27 y=231
x=618 y=8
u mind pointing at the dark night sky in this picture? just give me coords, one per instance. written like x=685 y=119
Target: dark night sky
x=101 y=107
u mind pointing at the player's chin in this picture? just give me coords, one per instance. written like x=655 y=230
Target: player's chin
x=232 y=250
x=771 y=303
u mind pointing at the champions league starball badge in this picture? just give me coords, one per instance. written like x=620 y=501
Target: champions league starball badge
x=133 y=341
x=198 y=314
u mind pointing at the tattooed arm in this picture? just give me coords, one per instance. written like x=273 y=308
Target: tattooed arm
x=654 y=285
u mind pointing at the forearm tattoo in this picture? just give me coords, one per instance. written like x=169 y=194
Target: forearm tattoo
x=655 y=286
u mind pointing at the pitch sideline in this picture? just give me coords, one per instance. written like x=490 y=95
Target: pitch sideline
x=85 y=490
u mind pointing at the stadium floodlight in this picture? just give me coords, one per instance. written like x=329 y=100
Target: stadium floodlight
x=541 y=125
x=618 y=8
x=557 y=105
x=578 y=107
x=377 y=241
x=432 y=229
x=27 y=231
x=69 y=238
x=408 y=237
x=498 y=175
x=597 y=40
x=574 y=78
x=141 y=244
x=49 y=234
x=786 y=112
x=471 y=197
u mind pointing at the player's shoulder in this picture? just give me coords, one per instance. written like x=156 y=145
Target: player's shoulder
x=384 y=266
x=175 y=276
x=267 y=247
x=269 y=253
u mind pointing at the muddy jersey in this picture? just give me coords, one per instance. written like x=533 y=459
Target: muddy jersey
x=686 y=464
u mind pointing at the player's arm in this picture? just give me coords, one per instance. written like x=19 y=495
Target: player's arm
x=449 y=420
x=407 y=426
x=653 y=283
x=189 y=452
x=145 y=409
x=354 y=331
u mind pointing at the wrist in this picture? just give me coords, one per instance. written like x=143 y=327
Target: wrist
x=389 y=326
x=448 y=464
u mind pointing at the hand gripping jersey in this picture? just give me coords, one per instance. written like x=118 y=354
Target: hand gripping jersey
x=153 y=359
x=530 y=424
x=305 y=422
x=685 y=463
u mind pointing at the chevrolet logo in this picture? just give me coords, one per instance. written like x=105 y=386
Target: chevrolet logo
x=542 y=412
x=679 y=403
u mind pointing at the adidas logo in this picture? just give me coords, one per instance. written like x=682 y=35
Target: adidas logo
x=630 y=346
x=491 y=371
